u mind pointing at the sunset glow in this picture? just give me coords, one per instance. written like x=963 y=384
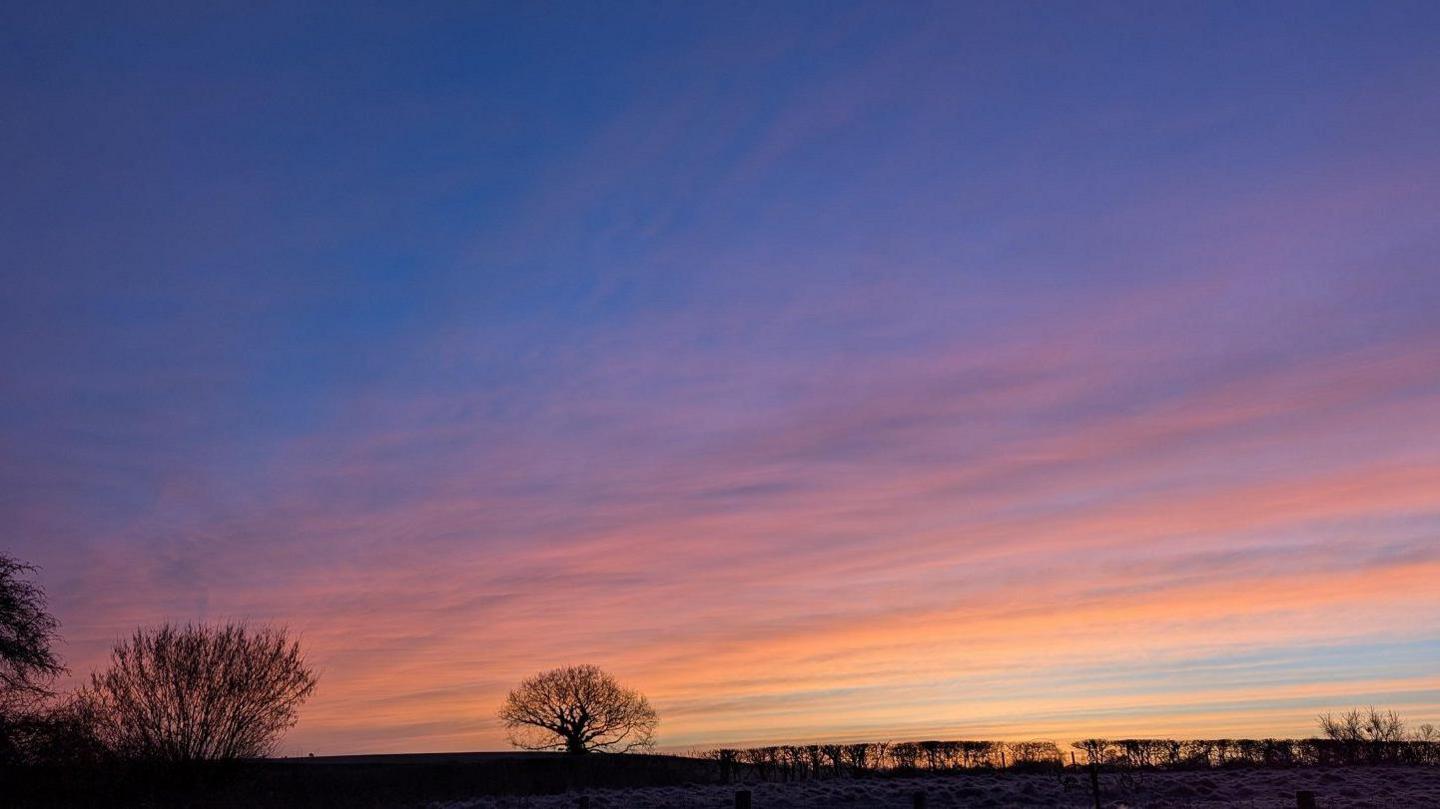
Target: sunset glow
x=913 y=372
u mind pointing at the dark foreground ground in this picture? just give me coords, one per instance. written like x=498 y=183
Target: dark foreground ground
x=1337 y=788
x=361 y=782
x=541 y=781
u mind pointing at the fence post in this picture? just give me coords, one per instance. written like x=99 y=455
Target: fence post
x=1003 y=765
x=918 y=801
x=742 y=799
x=1095 y=783
x=1305 y=799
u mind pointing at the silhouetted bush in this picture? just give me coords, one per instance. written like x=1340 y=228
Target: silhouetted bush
x=60 y=733
x=1035 y=756
x=198 y=693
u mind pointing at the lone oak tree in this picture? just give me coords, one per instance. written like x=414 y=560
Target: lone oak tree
x=578 y=709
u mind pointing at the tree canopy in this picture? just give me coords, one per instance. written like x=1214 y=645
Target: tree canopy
x=28 y=631
x=578 y=709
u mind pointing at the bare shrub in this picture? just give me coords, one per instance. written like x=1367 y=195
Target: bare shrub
x=863 y=758
x=199 y=693
x=1371 y=733
x=59 y=732
x=1097 y=751
x=905 y=755
x=761 y=761
x=1034 y=755
x=977 y=753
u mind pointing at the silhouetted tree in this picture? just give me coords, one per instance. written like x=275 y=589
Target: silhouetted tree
x=28 y=664
x=199 y=692
x=1378 y=733
x=578 y=709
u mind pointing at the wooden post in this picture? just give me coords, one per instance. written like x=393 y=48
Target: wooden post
x=918 y=800
x=742 y=799
x=1072 y=759
x=1095 y=783
x=1305 y=799
x=1003 y=765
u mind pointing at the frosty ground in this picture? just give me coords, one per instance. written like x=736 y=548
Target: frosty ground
x=1335 y=788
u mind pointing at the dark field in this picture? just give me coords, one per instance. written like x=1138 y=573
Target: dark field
x=344 y=781
x=550 y=781
x=1397 y=787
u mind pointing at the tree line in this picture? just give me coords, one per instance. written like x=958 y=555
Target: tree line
x=1357 y=737
x=799 y=762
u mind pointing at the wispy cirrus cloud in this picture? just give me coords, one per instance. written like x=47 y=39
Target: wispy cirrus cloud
x=818 y=376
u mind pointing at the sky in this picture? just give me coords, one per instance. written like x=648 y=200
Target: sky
x=832 y=371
